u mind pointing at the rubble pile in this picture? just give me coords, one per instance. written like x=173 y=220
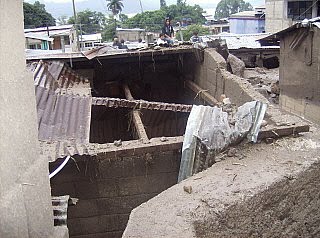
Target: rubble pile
x=265 y=81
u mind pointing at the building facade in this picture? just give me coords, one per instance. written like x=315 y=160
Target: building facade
x=299 y=68
x=248 y=22
x=281 y=14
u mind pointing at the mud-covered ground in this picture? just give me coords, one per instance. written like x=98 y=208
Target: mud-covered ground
x=260 y=190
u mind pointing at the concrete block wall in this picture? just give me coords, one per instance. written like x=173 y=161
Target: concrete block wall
x=109 y=188
x=301 y=107
x=276 y=16
x=212 y=75
x=300 y=85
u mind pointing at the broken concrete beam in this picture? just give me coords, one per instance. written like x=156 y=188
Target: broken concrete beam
x=201 y=93
x=141 y=132
x=140 y=104
x=284 y=131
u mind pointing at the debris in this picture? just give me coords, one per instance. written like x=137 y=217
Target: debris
x=264 y=123
x=232 y=152
x=223 y=96
x=187 y=189
x=234 y=177
x=117 y=143
x=226 y=101
x=237 y=65
x=163 y=139
x=275 y=89
x=239 y=164
x=269 y=140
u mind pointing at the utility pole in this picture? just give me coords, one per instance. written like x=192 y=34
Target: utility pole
x=141 y=6
x=75 y=24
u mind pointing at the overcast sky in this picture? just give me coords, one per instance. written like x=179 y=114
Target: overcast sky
x=64 y=7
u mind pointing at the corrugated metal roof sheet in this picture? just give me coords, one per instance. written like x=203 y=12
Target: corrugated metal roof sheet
x=60 y=210
x=238 y=41
x=63 y=103
x=57 y=76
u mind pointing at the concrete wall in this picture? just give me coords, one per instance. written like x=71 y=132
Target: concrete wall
x=300 y=75
x=109 y=188
x=276 y=15
x=246 y=26
x=25 y=202
x=212 y=75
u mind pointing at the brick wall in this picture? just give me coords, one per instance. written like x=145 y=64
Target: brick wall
x=109 y=188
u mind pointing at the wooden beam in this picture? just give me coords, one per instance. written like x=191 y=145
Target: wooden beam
x=201 y=93
x=284 y=131
x=142 y=134
x=141 y=104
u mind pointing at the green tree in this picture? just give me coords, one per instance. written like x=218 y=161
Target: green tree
x=163 y=3
x=188 y=32
x=35 y=15
x=109 y=31
x=115 y=6
x=89 y=21
x=62 y=20
x=227 y=7
x=154 y=20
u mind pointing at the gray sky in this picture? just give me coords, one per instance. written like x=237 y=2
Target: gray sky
x=64 y=7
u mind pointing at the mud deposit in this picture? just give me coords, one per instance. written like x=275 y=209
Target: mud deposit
x=289 y=208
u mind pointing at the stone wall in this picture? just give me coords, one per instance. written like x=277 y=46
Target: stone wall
x=109 y=188
x=300 y=75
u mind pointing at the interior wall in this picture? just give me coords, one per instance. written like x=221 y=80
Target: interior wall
x=109 y=188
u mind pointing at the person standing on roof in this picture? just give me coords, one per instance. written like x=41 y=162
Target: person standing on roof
x=168 y=31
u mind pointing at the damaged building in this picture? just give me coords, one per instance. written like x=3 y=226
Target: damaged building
x=155 y=142
x=299 y=47
x=119 y=121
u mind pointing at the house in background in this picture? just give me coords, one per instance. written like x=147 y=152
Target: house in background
x=217 y=26
x=38 y=42
x=131 y=34
x=88 y=42
x=299 y=68
x=248 y=22
x=64 y=37
x=284 y=13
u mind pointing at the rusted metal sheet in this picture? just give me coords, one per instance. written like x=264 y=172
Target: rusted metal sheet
x=140 y=104
x=63 y=103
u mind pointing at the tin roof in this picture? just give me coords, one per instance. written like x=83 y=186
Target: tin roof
x=275 y=38
x=238 y=41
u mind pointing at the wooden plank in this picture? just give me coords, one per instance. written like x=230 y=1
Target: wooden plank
x=285 y=131
x=141 y=104
x=201 y=93
x=142 y=134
